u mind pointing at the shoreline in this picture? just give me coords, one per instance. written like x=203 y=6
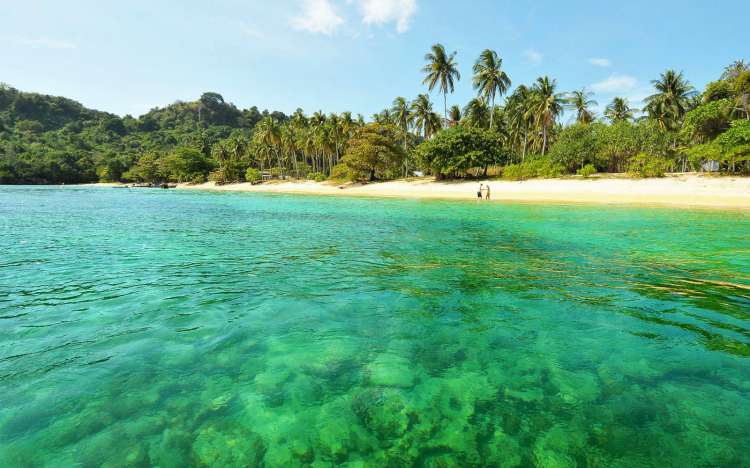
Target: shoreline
x=687 y=191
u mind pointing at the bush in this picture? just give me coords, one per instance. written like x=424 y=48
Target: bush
x=643 y=165
x=535 y=167
x=252 y=174
x=587 y=170
x=517 y=172
x=316 y=176
x=340 y=172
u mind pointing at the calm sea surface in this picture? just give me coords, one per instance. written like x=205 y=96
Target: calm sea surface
x=179 y=328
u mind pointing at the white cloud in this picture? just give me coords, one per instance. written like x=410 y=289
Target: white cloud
x=47 y=43
x=600 y=62
x=318 y=16
x=615 y=84
x=380 y=12
x=533 y=56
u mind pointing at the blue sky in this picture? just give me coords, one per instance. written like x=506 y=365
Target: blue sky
x=336 y=55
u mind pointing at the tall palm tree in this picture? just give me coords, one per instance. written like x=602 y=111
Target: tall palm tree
x=671 y=100
x=423 y=118
x=619 y=110
x=490 y=79
x=441 y=70
x=581 y=101
x=546 y=106
x=402 y=117
x=268 y=136
x=519 y=118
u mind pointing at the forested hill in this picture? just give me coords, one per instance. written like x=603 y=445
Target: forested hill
x=50 y=139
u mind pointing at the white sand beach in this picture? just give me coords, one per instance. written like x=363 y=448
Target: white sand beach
x=678 y=190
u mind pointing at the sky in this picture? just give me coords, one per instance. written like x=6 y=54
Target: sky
x=127 y=57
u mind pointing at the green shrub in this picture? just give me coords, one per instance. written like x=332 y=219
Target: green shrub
x=643 y=165
x=340 y=172
x=587 y=170
x=252 y=174
x=516 y=172
x=316 y=176
x=538 y=166
x=197 y=178
x=547 y=169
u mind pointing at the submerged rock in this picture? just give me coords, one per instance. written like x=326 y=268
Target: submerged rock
x=228 y=445
x=382 y=412
x=388 y=370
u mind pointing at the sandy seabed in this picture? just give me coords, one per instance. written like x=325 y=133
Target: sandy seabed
x=677 y=190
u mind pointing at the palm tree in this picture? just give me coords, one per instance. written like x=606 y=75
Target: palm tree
x=581 y=101
x=383 y=117
x=454 y=115
x=402 y=117
x=546 y=106
x=489 y=78
x=671 y=101
x=619 y=110
x=477 y=114
x=519 y=118
x=423 y=118
x=268 y=136
x=441 y=70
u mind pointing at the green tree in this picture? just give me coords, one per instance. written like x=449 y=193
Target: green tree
x=490 y=80
x=707 y=121
x=477 y=114
x=577 y=146
x=423 y=118
x=671 y=101
x=186 y=164
x=373 y=152
x=735 y=145
x=581 y=101
x=148 y=168
x=402 y=116
x=546 y=105
x=456 y=150
x=441 y=70
x=619 y=110
x=454 y=115
x=520 y=118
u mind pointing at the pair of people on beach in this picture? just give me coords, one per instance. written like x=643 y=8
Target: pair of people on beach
x=483 y=190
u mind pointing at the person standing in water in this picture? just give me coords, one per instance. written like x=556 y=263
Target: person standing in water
x=487 y=196
x=479 y=192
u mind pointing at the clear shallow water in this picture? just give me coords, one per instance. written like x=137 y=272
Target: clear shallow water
x=164 y=328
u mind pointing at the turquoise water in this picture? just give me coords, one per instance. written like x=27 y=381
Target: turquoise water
x=169 y=328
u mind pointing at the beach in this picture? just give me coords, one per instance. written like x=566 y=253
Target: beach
x=679 y=190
